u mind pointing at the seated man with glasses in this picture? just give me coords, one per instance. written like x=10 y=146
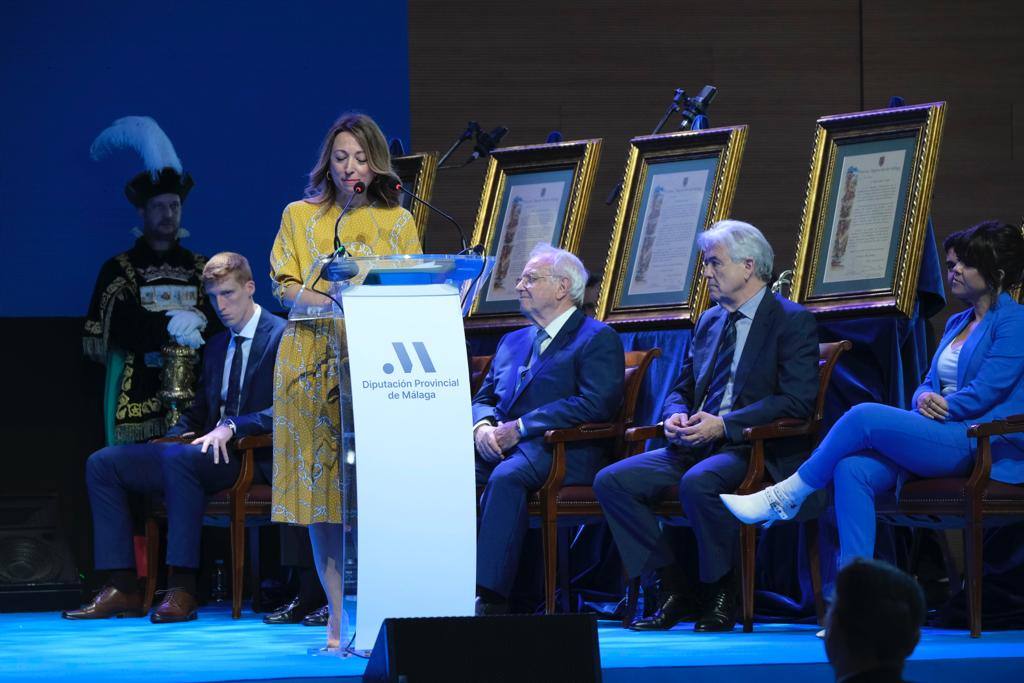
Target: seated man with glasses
x=561 y=371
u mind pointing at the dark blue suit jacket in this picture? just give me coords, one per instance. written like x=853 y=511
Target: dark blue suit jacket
x=777 y=376
x=577 y=379
x=257 y=386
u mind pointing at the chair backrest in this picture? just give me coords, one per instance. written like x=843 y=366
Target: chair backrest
x=637 y=364
x=828 y=356
x=478 y=368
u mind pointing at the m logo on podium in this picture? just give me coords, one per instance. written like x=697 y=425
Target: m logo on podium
x=406 y=360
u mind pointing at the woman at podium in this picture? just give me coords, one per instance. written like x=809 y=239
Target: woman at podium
x=347 y=193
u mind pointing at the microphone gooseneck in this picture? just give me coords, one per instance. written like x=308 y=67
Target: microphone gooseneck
x=397 y=185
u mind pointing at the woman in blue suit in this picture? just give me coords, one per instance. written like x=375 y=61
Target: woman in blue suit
x=975 y=376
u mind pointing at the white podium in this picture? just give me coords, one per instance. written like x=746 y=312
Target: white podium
x=407 y=478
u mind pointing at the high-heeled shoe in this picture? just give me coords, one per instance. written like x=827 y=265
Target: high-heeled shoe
x=768 y=505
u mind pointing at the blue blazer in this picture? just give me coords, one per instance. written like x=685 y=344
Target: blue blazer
x=990 y=377
x=777 y=376
x=577 y=379
x=257 y=386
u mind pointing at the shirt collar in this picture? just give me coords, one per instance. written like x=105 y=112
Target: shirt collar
x=556 y=325
x=749 y=307
x=249 y=331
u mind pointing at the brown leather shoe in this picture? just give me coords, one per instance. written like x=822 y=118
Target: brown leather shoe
x=109 y=602
x=178 y=605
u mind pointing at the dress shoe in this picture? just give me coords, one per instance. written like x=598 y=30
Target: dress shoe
x=109 y=602
x=490 y=609
x=767 y=505
x=178 y=605
x=318 y=617
x=719 y=608
x=675 y=608
x=292 y=613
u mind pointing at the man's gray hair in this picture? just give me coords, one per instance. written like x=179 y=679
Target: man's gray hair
x=564 y=264
x=742 y=241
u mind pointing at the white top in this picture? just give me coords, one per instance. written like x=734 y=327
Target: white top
x=947 y=363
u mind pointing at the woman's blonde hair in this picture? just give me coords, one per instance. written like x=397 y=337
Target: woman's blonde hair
x=321 y=188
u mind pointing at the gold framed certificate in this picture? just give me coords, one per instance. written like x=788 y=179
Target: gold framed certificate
x=417 y=173
x=675 y=186
x=531 y=194
x=866 y=212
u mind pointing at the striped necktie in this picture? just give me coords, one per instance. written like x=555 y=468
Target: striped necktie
x=722 y=370
x=524 y=371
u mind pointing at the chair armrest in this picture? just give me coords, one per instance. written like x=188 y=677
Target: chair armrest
x=781 y=428
x=1008 y=425
x=645 y=433
x=255 y=441
x=584 y=432
x=173 y=439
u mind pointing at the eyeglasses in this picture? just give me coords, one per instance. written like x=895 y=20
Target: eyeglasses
x=530 y=279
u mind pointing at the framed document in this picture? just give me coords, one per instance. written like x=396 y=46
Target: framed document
x=531 y=194
x=864 y=220
x=676 y=185
x=417 y=173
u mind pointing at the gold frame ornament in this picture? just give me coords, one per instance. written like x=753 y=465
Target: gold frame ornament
x=530 y=192
x=417 y=172
x=711 y=156
x=858 y=256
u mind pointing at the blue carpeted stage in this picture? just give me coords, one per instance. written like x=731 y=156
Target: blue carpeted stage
x=44 y=647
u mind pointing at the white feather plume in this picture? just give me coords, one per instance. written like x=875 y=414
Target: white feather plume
x=142 y=134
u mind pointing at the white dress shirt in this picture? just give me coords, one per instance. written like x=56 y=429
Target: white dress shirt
x=247 y=333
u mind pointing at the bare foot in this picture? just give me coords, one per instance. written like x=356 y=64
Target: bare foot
x=333 y=630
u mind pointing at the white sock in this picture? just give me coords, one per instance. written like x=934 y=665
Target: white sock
x=793 y=489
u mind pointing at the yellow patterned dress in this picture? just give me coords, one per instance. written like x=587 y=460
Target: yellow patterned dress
x=306 y=486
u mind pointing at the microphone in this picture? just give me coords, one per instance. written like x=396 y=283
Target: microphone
x=485 y=143
x=697 y=107
x=398 y=187
x=334 y=270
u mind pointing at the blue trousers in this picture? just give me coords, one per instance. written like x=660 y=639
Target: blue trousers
x=185 y=477
x=863 y=455
x=626 y=489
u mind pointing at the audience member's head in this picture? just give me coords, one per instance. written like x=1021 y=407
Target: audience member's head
x=875 y=619
x=996 y=250
x=553 y=280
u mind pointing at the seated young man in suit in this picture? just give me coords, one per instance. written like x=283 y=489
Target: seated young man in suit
x=753 y=359
x=233 y=399
x=563 y=370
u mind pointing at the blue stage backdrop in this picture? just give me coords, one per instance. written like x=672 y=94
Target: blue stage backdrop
x=245 y=90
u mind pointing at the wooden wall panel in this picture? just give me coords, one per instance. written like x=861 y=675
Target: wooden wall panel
x=608 y=69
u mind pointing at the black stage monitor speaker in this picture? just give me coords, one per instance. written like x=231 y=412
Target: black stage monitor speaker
x=561 y=648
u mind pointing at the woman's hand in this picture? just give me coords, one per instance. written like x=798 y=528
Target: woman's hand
x=932 y=405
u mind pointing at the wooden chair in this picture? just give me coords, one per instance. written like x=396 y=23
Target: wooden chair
x=969 y=503
x=478 y=368
x=555 y=503
x=755 y=480
x=237 y=503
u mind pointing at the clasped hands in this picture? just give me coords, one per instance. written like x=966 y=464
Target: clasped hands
x=933 y=406
x=492 y=442
x=694 y=430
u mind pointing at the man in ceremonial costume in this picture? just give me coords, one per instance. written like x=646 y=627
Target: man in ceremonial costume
x=563 y=370
x=753 y=359
x=234 y=399
x=150 y=295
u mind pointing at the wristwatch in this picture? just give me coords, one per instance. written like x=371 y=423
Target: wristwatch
x=230 y=424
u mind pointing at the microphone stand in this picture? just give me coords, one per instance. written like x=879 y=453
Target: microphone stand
x=444 y=214
x=673 y=107
x=472 y=129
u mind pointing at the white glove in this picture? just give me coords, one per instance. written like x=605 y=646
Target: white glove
x=185 y=320
x=191 y=339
